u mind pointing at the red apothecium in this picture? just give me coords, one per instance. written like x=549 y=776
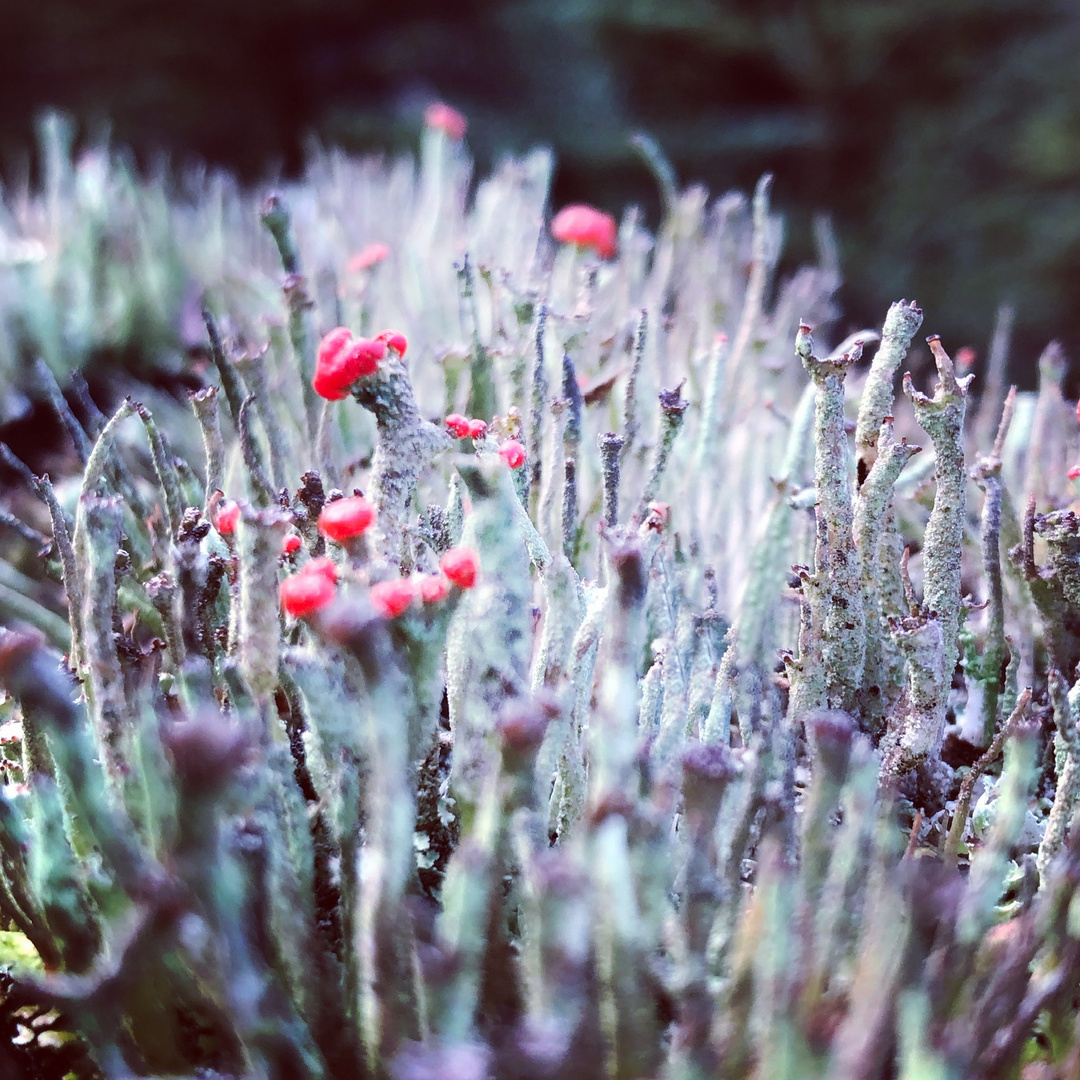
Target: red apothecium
x=227 y=517
x=461 y=565
x=513 y=453
x=442 y=117
x=432 y=588
x=306 y=592
x=394 y=340
x=458 y=425
x=392 y=598
x=346 y=518
x=367 y=258
x=587 y=227
x=332 y=378
x=324 y=566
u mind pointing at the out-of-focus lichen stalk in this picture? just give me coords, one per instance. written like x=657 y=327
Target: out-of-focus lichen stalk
x=997 y=364
x=1067 y=721
x=489 y=643
x=47 y=381
x=259 y=539
x=631 y=423
x=166 y=471
x=406 y=445
x=564 y=749
x=901 y=323
x=549 y=509
x=274 y=214
x=627 y=1017
x=942 y=416
x=258 y=482
x=483 y=398
x=613 y=729
x=384 y=941
x=977 y=913
x=860 y=1045
x=204 y=403
x=708 y=770
x=830 y=733
x=537 y=403
x=68 y=564
x=837 y=914
x=709 y=433
x=1052 y=425
x=252 y=367
x=230 y=381
x=872 y=507
x=741 y=375
x=102 y=518
x=33 y=675
x=769 y=566
x=836 y=561
x=955 y=836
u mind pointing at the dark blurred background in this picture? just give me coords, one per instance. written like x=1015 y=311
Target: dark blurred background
x=943 y=138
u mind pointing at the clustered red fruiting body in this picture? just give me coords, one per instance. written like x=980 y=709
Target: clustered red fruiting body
x=432 y=588
x=346 y=518
x=477 y=429
x=226 y=517
x=461 y=566
x=394 y=340
x=442 y=117
x=290 y=544
x=367 y=257
x=458 y=425
x=363 y=357
x=1074 y=472
x=393 y=598
x=308 y=590
x=586 y=227
x=513 y=453
x=323 y=566
x=343 y=359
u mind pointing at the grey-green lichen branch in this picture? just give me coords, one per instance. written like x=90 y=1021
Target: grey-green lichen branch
x=837 y=586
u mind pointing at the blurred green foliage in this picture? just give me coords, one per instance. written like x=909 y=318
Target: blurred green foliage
x=944 y=139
